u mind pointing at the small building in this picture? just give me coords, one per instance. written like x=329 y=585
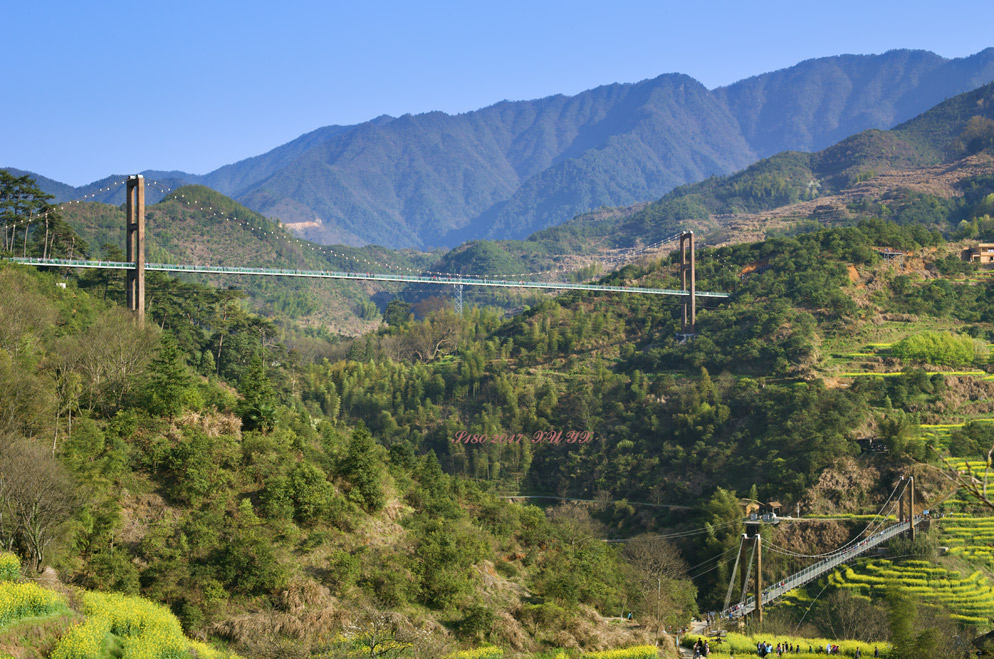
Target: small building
x=872 y=445
x=891 y=254
x=983 y=253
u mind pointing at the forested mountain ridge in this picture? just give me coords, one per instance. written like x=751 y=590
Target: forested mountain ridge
x=952 y=132
x=818 y=102
x=916 y=172
x=516 y=167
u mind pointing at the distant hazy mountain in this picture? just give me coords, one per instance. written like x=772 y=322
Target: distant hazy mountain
x=947 y=134
x=510 y=169
x=822 y=101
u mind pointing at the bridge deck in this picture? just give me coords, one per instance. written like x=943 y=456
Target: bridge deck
x=444 y=280
x=815 y=570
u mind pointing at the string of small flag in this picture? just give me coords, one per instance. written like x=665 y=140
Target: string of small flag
x=276 y=230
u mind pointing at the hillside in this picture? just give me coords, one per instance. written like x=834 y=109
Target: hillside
x=257 y=515
x=194 y=224
x=516 y=167
x=273 y=501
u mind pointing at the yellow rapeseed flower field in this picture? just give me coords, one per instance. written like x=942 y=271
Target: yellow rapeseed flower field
x=637 y=652
x=24 y=600
x=148 y=631
x=10 y=567
x=477 y=653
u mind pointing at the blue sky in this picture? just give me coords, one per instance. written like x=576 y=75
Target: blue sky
x=99 y=88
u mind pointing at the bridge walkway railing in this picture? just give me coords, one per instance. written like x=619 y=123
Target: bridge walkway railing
x=815 y=570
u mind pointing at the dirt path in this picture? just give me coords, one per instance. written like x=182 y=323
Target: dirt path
x=697 y=628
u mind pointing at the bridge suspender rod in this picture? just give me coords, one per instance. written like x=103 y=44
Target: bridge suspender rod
x=731 y=581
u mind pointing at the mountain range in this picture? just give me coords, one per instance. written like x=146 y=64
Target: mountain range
x=508 y=170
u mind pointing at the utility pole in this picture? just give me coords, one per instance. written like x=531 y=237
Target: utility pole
x=135 y=246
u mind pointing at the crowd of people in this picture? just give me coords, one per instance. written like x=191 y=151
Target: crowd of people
x=764 y=649
x=702 y=648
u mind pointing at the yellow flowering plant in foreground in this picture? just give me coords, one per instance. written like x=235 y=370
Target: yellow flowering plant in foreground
x=637 y=652
x=27 y=600
x=10 y=567
x=84 y=641
x=746 y=645
x=477 y=653
x=149 y=631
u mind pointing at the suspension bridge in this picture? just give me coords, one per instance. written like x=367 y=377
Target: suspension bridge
x=136 y=266
x=445 y=280
x=872 y=536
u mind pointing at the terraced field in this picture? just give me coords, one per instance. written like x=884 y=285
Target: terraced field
x=969 y=537
x=978 y=468
x=969 y=599
x=866 y=360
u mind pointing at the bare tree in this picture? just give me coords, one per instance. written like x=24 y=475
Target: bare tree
x=429 y=338
x=24 y=313
x=977 y=487
x=37 y=497
x=573 y=525
x=26 y=402
x=377 y=633
x=109 y=356
x=846 y=616
x=662 y=577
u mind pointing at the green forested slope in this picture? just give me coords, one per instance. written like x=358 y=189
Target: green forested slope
x=265 y=496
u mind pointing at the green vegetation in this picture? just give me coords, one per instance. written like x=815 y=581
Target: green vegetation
x=258 y=492
x=940 y=348
x=210 y=465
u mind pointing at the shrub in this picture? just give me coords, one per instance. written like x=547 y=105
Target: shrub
x=941 y=348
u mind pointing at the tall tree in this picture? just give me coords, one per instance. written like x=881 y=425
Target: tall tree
x=23 y=203
x=169 y=378
x=363 y=469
